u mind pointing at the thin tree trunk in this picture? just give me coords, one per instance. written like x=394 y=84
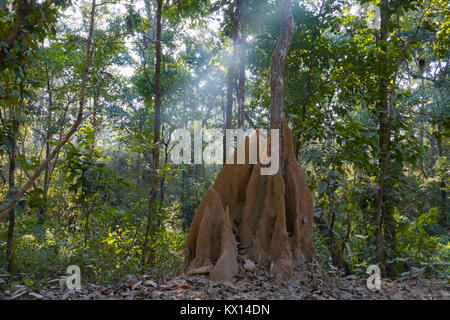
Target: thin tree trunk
x=384 y=138
x=183 y=175
x=48 y=137
x=385 y=223
x=343 y=264
x=15 y=117
x=138 y=169
x=156 y=133
x=161 y=192
x=333 y=246
x=86 y=226
x=230 y=78
x=95 y=121
x=242 y=59
x=442 y=184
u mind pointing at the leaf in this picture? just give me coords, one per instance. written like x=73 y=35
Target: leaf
x=137 y=284
x=151 y=283
x=28 y=282
x=322 y=186
x=19 y=293
x=36 y=295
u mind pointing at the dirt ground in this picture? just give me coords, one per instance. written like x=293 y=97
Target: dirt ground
x=249 y=285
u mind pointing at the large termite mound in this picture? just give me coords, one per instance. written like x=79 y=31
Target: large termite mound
x=264 y=217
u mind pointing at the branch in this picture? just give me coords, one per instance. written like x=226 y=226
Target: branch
x=145 y=67
x=252 y=124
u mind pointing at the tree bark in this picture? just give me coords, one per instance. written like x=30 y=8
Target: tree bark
x=15 y=117
x=241 y=49
x=442 y=183
x=230 y=78
x=156 y=132
x=385 y=224
x=48 y=137
x=166 y=158
x=277 y=70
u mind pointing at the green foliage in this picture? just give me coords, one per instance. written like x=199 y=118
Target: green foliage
x=421 y=244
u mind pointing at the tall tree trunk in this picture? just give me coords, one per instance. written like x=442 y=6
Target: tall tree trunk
x=385 y=224
x=48 y=136
x=15 y=117
x=230 y=78
x=241 y=49
x=277 y=71
x=86 y=225
x=138 y=169
x=183 y=175
x=166 y=155
x=95 y=121
x=442 y=184
x=333 y=245
x=156 y=133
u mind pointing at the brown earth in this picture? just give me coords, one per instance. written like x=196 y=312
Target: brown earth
x=309 y=284
x=260 y=220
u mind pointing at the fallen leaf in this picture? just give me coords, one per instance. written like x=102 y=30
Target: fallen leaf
x=249 y=265
x=36 y=295
x=137 y=284
x=151 y=283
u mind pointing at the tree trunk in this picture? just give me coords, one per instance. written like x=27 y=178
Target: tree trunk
x=277 y=71
x=442 y=184
x=230 y=78
x=15 y=117
x=241 y=49
x=48 y=137
x=138 y=169
x=156 y=133
x=86 y=225
x=385 y=224
x=95 y=122
x=161 y=191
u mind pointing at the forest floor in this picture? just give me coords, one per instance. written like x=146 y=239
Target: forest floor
x=254 y=285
